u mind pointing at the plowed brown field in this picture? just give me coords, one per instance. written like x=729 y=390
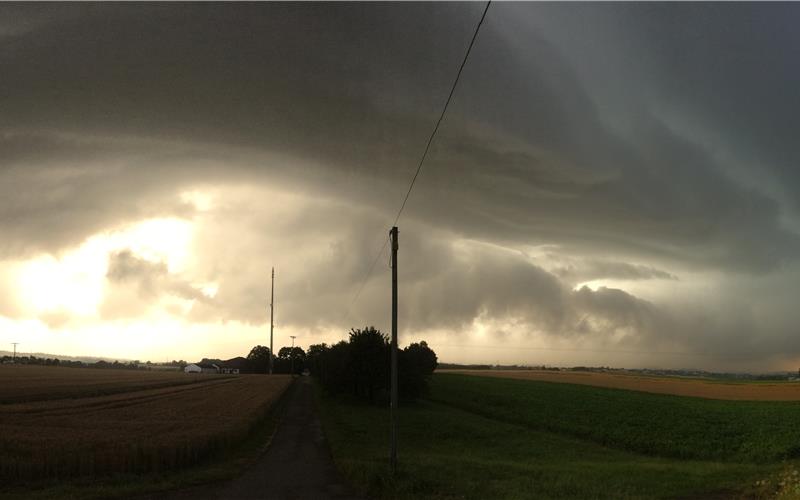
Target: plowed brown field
x=711 y=389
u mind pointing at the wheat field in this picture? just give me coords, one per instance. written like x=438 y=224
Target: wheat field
x=146 y=423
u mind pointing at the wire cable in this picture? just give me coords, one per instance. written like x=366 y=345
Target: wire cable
x=364 y=281
x=422 y=159
x=444 y=110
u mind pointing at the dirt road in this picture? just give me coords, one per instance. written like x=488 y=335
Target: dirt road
x=297 y=464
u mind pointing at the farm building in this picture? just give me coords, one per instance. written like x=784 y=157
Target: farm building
x=233 y=366
x=202 y=368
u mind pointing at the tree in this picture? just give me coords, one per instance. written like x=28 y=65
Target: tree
x=288 y=358
x=338 y=366
x=416 y=365
x=291 y=352
x=361 y=366
x=369 y=361
x=258 y=359
x=314 y=357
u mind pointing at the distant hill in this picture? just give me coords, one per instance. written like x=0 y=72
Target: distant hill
x=85 y=359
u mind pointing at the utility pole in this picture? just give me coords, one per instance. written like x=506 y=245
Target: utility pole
x=291 y=354
x=15 y=351
x=393 y=452
x=271 y=318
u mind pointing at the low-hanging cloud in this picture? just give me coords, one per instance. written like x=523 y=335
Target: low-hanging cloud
x=308 y=120
x=150 y=280
x=596 y=269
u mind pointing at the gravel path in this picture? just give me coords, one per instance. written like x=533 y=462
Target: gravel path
x=297 y=464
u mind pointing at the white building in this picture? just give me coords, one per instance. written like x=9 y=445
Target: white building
x=201 y=368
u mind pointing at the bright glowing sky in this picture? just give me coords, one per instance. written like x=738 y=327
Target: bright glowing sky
x=614 y=184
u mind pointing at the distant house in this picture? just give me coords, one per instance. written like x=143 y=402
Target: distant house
x=202 y=368
x=233 y=366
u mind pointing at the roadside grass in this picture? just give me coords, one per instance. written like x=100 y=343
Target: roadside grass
x=449 y=452
x=228 y=464
x=653 y=424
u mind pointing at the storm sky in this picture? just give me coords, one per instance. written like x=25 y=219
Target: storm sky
x=613 y=184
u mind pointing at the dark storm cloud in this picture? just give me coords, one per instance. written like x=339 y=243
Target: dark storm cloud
x=55 y=208
x=355 y=87
x=734 y=75
x=456 y=283
x=618 y=133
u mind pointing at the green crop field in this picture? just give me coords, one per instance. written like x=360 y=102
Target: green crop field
x=477 y=437
x=653 y=424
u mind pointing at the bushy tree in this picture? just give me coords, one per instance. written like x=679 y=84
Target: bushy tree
x=291 y=352
x=314 y=359
x=361 y=366
x=369 y=362
x=415 y=366
x=288 y=358
x=258 y=359
x=339 y=376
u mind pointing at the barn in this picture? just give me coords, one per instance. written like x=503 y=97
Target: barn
x=234 y=366
x=202 y=368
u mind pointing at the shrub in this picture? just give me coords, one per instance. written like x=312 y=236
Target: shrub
x=362 y=365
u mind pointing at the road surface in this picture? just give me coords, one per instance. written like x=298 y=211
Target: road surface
x=297 y=464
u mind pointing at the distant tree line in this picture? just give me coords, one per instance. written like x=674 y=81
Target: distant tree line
x=361 y=366
x=116 y=365
x=458 y=366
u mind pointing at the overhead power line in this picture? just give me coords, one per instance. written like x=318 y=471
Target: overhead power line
x=444 y=110
x=364 y=281
x=422 y=159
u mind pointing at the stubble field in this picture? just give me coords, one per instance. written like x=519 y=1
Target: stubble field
x=692 y=387
x=145 y=422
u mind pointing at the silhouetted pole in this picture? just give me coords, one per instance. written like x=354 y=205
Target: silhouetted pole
x=393 y=453
x=271 y=317
x=291 y=354
x=15 y=351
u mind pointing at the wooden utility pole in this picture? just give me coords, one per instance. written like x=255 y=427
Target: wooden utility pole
x=291 y=354
x=271 y=318
x=15 y=351
x=393 y=452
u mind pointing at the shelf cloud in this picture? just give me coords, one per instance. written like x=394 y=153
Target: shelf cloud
x=619 y=175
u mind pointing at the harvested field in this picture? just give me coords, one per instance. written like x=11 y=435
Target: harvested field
x=21 y=383
x=149 y=430
x=710 y=389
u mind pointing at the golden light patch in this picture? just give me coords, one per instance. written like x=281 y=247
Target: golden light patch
x=593 y=285
x=74 y=282
x=159 y=240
